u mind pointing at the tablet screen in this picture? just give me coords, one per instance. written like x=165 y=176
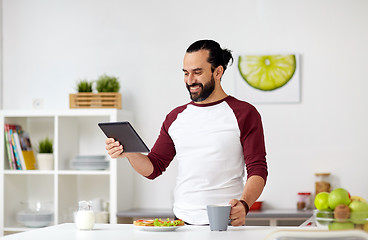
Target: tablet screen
x=125 y=134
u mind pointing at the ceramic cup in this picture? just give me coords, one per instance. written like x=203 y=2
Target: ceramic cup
x=218 y=216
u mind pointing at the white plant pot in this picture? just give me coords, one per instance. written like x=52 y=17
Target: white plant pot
x=45 y=161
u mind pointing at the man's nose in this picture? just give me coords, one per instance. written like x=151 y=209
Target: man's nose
x=190 y=79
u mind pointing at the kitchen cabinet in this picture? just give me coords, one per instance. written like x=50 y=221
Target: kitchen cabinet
x=74 y=132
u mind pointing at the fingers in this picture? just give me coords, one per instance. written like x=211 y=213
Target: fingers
x=233 y=202
x=109 y=140
x=114 y=149
x=237 y=213
x=111 y=143
x=238 y=222
x=116 y=152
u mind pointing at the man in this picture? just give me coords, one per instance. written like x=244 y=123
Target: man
x=211 y=137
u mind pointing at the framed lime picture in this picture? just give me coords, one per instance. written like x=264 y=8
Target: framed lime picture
x=268 y=78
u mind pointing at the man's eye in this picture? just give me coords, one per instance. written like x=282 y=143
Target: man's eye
x=197 y=73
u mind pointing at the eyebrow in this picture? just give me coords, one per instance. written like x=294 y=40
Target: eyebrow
x=195 y=69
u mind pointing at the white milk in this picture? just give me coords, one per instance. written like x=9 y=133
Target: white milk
x=85 y=220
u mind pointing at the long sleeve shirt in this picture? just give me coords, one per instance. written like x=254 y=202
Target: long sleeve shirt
x=213 y=144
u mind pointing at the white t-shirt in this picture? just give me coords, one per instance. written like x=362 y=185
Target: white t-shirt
x=208 y=142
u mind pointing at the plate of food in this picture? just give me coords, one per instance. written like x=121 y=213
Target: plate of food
x=158 y=225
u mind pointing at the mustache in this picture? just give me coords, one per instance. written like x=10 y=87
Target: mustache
x=194 y=84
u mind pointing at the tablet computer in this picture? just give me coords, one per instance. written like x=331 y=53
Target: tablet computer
x=125 y=134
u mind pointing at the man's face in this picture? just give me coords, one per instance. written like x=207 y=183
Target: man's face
x=198 y=76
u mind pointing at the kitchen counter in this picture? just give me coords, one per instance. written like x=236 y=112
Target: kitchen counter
x=129 y=231
x=272 y=217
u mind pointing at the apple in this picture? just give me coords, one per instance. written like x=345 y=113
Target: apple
x=338 y=196
x=321 y=201
x=357 y=198
x=358 y=212
x=340 y=226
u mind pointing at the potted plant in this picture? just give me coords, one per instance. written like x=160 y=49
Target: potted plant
x=107 y=95
x=84 y=86
x=107 y=83
x=45 y=156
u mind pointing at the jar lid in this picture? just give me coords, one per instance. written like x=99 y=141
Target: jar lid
x=304 y=193
x=322 y=174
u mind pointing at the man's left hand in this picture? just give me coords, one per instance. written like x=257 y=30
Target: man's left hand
x=237 y=213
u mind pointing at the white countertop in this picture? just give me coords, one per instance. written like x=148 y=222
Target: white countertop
x=268 y=213
x=128 y=231
x=271 y=215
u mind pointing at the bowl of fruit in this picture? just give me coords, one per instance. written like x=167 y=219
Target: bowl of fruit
x=338 y=210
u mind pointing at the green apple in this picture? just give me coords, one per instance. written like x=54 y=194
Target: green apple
x=359 y=212
x=321 y=201
x=338 y=196
x=340 y=226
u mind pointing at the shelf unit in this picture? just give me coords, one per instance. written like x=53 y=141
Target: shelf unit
x=74 y=132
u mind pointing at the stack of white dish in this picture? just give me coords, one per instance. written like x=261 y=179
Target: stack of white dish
x=93 y=162
x=35 y=219
x=36 y=214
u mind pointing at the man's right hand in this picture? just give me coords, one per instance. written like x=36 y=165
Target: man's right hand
x=114 y=148
x=139 y=161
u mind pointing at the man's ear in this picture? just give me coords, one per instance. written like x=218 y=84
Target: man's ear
x=219 y=71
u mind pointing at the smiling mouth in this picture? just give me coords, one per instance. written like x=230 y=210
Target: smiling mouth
x=194 y=88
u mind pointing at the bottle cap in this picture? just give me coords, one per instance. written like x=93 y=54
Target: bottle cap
x=304 y=193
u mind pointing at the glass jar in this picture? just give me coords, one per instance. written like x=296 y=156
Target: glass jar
x=322 y=183
x=304 y=200
x=85 y=218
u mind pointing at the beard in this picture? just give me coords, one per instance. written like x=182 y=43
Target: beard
x=205 y=92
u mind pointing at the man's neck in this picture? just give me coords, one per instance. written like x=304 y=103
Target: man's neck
x=215 y=96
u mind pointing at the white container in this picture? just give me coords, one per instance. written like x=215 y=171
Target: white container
x=85 y=218
x=45 y=161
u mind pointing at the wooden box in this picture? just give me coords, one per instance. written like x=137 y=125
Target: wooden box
x=95 y=100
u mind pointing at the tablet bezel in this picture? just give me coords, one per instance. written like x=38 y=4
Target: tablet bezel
x=125 y=134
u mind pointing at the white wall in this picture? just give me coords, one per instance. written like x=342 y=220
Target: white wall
x=49 y=45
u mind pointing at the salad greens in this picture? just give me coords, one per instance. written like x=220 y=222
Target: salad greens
x=168 y=223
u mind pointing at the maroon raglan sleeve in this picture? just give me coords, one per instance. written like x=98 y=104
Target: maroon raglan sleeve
x=163 y=151
x=251 y=137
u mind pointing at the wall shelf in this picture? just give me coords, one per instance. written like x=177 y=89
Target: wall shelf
x=74 y=132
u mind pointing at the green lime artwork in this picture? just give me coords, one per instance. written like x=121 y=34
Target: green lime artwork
x=268 y=78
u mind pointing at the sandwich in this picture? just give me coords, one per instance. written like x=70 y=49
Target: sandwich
x=157 y=222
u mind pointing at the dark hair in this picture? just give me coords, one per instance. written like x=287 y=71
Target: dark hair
x=218 y=56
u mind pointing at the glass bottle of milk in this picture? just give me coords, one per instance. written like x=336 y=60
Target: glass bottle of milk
x=85 y=218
